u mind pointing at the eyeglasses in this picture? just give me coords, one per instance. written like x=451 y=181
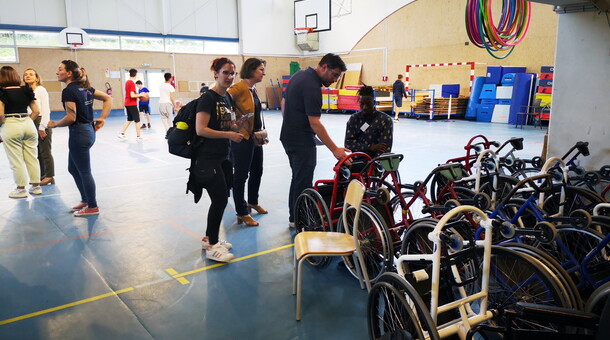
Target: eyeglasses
x=228 y=73
x=336 y=74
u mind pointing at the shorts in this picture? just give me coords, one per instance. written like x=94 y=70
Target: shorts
x=398 y=101
x=133 y=115
x=144 y=108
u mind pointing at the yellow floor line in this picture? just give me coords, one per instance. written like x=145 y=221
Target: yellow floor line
x=178 y=276
x=198 y=270
x=80 y=302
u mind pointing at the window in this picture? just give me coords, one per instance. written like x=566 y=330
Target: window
x=8 y=55
x=6 y=38
x=46 y=39
x=221 y=47
x=183 y=45
x=104 y=42
x=141 y=43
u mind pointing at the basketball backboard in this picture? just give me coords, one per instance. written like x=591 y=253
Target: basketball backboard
x=314 y=14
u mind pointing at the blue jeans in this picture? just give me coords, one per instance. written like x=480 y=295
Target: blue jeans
x=82 y=138
x=303 y=163
x=247 y=162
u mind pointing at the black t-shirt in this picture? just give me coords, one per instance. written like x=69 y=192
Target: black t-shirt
x=16 y=100
x=222 y=116
x=83 y=98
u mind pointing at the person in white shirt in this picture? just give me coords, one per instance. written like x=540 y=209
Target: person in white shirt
x=45 y=158
x=167 y=101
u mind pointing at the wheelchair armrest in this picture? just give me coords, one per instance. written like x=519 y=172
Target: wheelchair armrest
x=564 y=316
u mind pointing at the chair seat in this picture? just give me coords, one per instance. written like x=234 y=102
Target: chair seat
x=316 y=242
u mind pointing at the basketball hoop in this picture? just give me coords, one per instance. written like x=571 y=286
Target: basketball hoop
x=74 y=37
x=303 y=30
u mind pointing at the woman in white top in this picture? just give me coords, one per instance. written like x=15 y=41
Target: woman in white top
x=45 y=158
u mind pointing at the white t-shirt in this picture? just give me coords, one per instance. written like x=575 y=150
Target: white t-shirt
x=164 y=90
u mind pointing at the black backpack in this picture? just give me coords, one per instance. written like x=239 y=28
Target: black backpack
x=182 y=139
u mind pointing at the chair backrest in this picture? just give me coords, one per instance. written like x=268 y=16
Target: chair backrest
x=353 y=198
x=354 y=195
x=537 y=102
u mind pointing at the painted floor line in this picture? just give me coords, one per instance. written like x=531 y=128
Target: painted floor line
x=177 y=276
x=80 y=302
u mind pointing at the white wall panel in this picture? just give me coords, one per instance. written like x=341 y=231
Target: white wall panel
x=580 y=107
x=267 y=25
x=50 y=13
x=33 y=12
x=209 y=18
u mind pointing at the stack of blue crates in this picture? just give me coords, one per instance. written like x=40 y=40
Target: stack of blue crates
x=496 y=93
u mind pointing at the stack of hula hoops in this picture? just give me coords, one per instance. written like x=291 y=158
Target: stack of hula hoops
x=499 y=40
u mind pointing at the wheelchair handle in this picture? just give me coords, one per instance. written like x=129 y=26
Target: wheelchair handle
x=350 y=156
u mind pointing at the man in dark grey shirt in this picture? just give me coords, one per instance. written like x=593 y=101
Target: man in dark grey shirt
x=302 y=122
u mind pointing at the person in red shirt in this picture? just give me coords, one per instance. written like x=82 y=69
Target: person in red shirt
x=131 y=104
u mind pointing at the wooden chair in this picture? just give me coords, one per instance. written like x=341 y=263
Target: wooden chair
x=320 y=243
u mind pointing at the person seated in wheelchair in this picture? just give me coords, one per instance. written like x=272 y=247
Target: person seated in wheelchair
x=368 y=130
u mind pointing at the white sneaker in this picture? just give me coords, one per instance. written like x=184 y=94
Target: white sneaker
x=205 y=243
x=396 y=120
x=18 y=193
x=121 y=136
x=139 y=138
x=35 y=190
x=218 y=253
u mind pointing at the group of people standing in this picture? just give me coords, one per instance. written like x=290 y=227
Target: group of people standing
x=226 y=155
x=20 y=108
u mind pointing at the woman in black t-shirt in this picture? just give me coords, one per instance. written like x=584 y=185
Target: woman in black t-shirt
x=210 y=167
x=18 y=132
x=78 y=98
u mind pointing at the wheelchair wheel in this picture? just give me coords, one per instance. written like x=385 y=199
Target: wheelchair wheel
x=311 y=214
x=570 y=248
x=516 y=277
x=527 y=218
x=525 y=173
x=598 y=299
x=411 y=212
x=396 y=311
x=375 y=241
x=574 y=299
x=504 y=185
x=575 y=198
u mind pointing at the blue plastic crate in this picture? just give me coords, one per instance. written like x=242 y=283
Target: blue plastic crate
x=488 y=91
x=505 y=101
x=489 y=102
x=484 y=113
x=508 y=79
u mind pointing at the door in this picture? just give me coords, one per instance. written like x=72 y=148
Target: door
x=152 y=79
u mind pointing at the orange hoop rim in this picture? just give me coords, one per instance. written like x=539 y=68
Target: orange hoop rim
x=302 y=30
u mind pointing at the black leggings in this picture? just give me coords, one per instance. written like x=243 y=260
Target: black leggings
x=216 y=178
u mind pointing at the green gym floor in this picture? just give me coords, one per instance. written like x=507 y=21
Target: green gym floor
x=137 y=271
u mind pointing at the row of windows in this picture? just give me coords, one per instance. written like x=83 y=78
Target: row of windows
x=10 y=40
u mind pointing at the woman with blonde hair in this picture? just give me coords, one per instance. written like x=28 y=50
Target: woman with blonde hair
x=18 y=131
x=45 y=134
